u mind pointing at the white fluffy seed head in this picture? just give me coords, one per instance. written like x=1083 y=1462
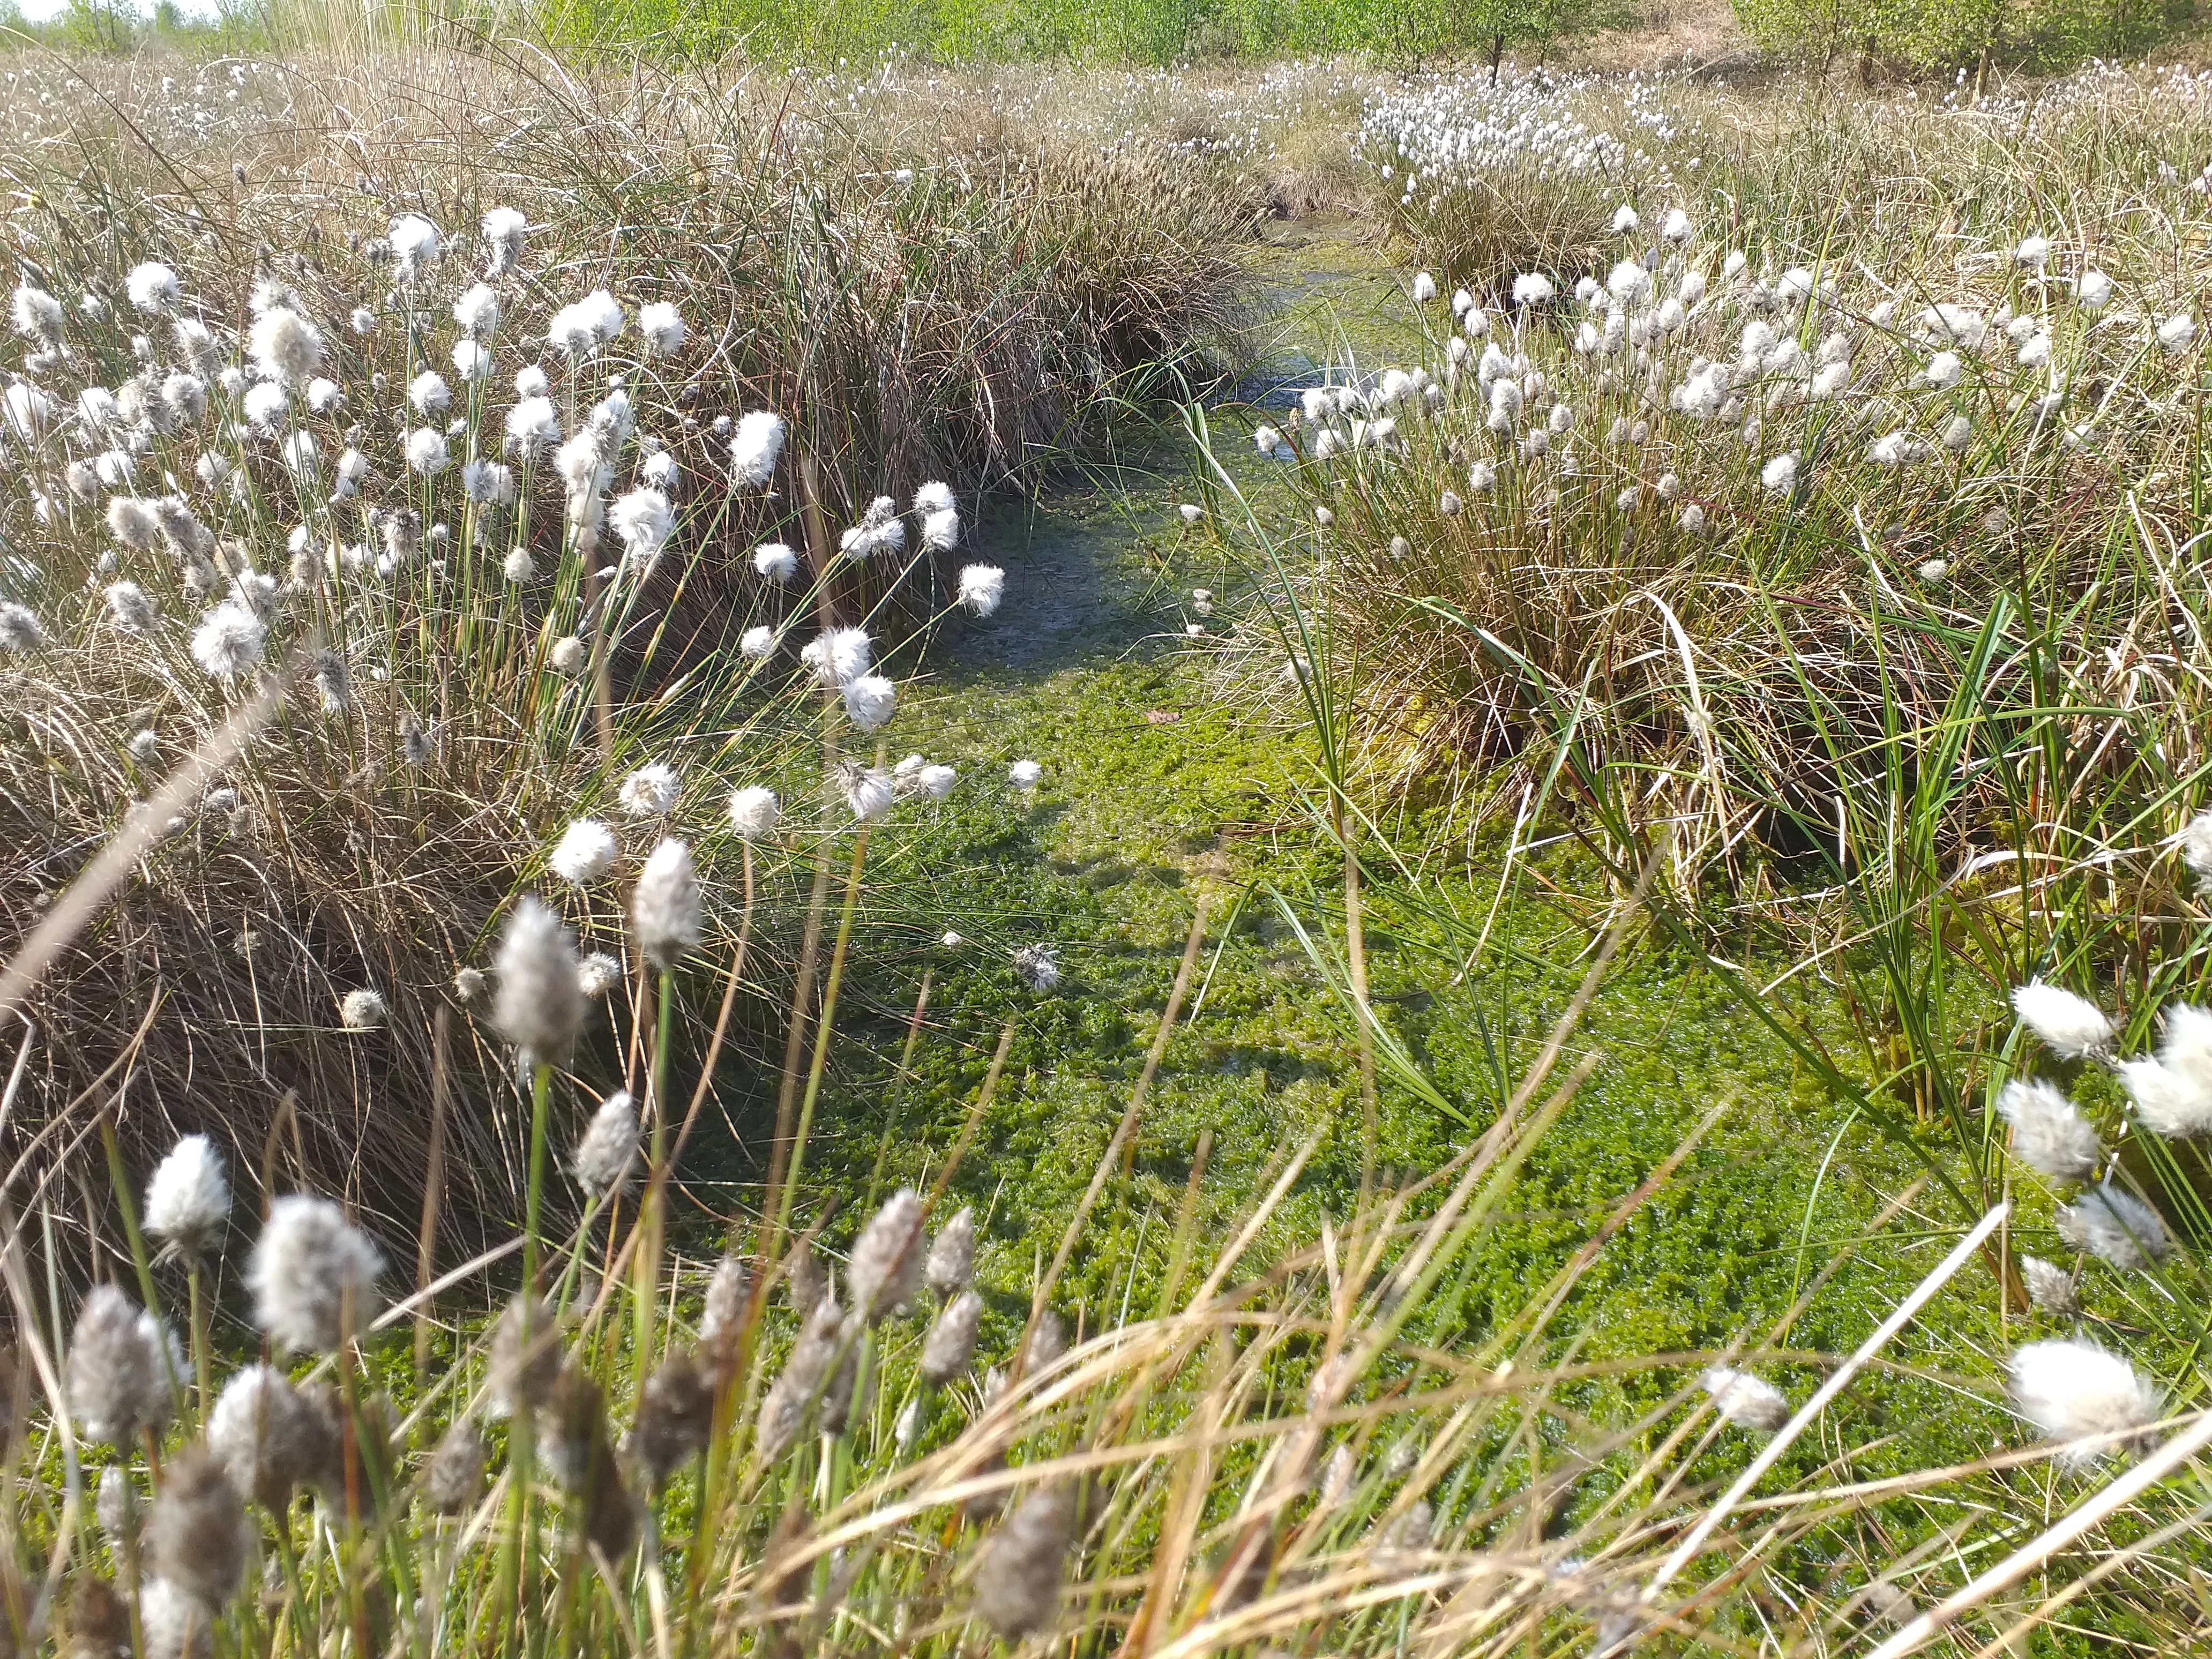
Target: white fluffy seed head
x=885 y=1271
x=539 y=1007
x=313 y=1274
x=755 y=449
x=2048 y=1133
x=666 y=908
x=1748 y=1401
x=587 y=851
x=188 y=1200
x=2071 y=1026
x=2114 y=1224
x=870 y=701
x=2076 y=1392
x=754 y=810
x=607 y=1157
x=776 y=561
x=981 y=588
x=651 y=791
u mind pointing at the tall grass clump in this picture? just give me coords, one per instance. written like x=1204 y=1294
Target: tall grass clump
x=423 y=474
x=899 y=1444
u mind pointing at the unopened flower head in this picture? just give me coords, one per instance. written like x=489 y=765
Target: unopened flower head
x=587 y=851
x=2071 y=1026
x=665 y=910
x=539 y=1007
x=951 y=1340
x=2076 y=1392
x=885 y=1271
x=951 y=1261
x=313 y=1274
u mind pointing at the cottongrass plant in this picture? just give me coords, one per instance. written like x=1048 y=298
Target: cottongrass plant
x=376 y=521
x=905 y=1447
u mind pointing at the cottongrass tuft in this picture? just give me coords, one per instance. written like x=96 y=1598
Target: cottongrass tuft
x=1747 y=1402
x=313 y=1274
x=197 y=1537
x=756 y=642
x=130 y=608
x=651 y=791
x=2167 y=1101
x=981 y=588
x=568 y=656
x=229 y=641
x=754 y=810
x=950 y=1344
x=118 y=1377
x=2114 y=1224
x=2071 y=1026
x=665 y=908
x=838 y=656
x=470 y=984
x=870 y=701
x=1025 y=774
x=599 y=974
x=175 y=1624
x=20 y=628
x=675 y=1414
x=153 y=287
x=524 y=1362
x=783 y=1409
x=754 y=450
x=585 y=851
x=951 y=1261
x=607 y=1157
x=454 y=1475
x=869 y=792
x=540 y=1007
x=1037 y=967
x=886 y=1271
x=2073 y=1390
x=271 y=1438
x=188 y=1200
x=2048 y=1133
x=776 y=561
x=361 y=1011
x=661 y=327
x=1017 y=1581
x=2049 y=1287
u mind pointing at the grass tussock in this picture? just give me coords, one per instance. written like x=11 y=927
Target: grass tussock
x=949 y=296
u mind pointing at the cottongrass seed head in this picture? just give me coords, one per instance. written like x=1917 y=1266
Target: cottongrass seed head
x=540 y=1006
x=951 y=1261
x=1037 y=967
x=188 y=1200
x=118 y=1377
x=2071 y=1026
x=2076 y=1391
x=675 y=1413
x=651 y=791
x=196 y=1537
x=271 y=1438
x=607 y=1157
x=666 y=910
x=361 y=1011
x=598 y=975
x=2049 y=1287
x=587 y=851
x=951 y=1340
x=454 y=1475
x=754 y=450
x=886 y=1268
x=1748 y=1401
x=981 y=588
x=2048 y=1135
x=313 y=1274
x=1018 y=1582
x=754 y=810
x=2114 y=1224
